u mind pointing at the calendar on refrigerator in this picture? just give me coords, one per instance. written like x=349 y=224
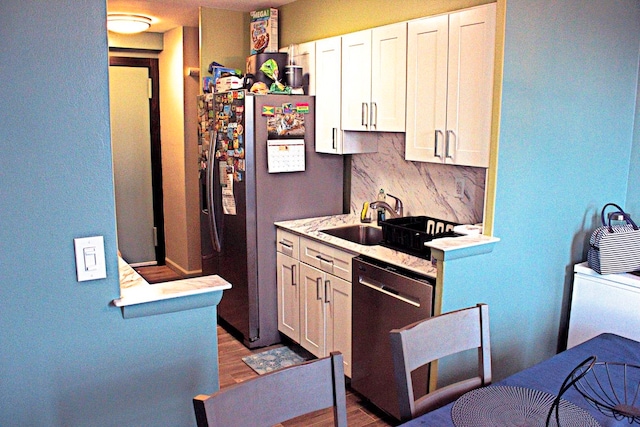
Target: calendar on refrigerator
x=285 y=155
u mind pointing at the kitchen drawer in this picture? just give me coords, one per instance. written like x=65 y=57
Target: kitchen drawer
x=326 y=258
x=287 y=243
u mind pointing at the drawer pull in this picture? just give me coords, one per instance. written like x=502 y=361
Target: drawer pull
x=293 y=275
x=286 y=244
x=328 y=261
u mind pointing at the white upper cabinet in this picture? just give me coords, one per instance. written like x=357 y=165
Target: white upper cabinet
x=450 y=87
x=374 y=79
x=327 y=90
x=389 y=78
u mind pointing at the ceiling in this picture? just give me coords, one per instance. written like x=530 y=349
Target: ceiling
x=168 y=14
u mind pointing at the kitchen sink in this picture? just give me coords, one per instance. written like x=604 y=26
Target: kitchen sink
x=360 y=234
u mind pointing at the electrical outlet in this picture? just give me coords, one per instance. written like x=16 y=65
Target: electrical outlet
x=460 y=188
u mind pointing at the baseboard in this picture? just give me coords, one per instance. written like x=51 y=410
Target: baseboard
x=187 y=273
x=143 y=264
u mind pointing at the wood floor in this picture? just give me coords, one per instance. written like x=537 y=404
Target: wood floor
x=233 y=370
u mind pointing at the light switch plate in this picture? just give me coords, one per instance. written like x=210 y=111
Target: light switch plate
x=90 y=264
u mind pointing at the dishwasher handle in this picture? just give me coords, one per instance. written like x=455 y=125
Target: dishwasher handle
x=387 y=290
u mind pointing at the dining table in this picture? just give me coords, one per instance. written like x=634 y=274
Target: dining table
x=546 y=377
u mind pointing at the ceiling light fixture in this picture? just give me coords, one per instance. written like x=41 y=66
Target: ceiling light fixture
x=125 y=23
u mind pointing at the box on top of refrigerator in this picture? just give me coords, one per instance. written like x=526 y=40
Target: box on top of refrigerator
x=264 y=31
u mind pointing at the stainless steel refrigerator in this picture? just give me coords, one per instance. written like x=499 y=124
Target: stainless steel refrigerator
x=258 y=165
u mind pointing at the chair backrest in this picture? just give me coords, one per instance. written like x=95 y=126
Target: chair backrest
x=422 y=342
x=278 y=396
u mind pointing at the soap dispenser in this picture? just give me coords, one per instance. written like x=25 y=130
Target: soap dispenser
x=382 y=197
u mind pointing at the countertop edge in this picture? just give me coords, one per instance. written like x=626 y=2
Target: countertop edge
x=135 y=290
x=126 y=301
x=450 y=248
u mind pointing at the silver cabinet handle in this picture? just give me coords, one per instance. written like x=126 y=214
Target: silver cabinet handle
x=387 y=290
x=327 y=284
x=318 y=285
x=286 y=247
x=286 y=244
x=334 y=136
x=328 y=261
x=374 y=115
x=435 y=138
x=447 y=151
x=293 y=275
x=365 y=113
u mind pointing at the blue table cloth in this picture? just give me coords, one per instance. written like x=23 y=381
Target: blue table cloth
x=548 y=376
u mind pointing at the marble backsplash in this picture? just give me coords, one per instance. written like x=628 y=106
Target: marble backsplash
x=424 y=188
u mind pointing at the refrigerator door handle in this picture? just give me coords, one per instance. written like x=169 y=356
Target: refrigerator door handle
x=213 y=228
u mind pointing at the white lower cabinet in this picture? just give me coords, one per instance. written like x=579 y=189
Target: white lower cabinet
x=314 y=295
x=288 y=296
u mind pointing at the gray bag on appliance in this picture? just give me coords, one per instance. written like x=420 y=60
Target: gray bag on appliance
x=615 y=248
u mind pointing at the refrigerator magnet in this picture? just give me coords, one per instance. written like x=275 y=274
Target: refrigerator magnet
x=302 y=108
x=268 y=110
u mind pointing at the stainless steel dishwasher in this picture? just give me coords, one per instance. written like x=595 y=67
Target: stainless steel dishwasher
x=385 y=297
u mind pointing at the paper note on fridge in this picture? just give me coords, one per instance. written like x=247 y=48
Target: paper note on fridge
x=228 y=201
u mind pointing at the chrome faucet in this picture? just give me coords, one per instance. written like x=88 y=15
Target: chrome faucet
x=395 y=212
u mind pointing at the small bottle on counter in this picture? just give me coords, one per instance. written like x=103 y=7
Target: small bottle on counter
x=382 y=197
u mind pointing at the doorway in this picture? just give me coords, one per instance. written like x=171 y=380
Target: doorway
x=137 y=161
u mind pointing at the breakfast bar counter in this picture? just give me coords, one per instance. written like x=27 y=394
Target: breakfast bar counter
x=139 y=298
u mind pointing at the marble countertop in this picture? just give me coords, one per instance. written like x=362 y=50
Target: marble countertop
x=448 y=246
x=135 y=290
x=310 y=227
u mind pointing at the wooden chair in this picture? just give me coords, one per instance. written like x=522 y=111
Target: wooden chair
x=423 y=342
x=278 y=396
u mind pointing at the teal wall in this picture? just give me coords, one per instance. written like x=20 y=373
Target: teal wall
x=633 y=193
x=68 y=358
x=567 y=126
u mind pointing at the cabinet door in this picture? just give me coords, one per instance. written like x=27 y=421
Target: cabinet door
x=427 y=46
x=339 y=319
x=287 y=281
x=356 y=80
x=306 y=58
x=312 y=310
x=388 y=78
x=470 y=85
x=327 y=88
